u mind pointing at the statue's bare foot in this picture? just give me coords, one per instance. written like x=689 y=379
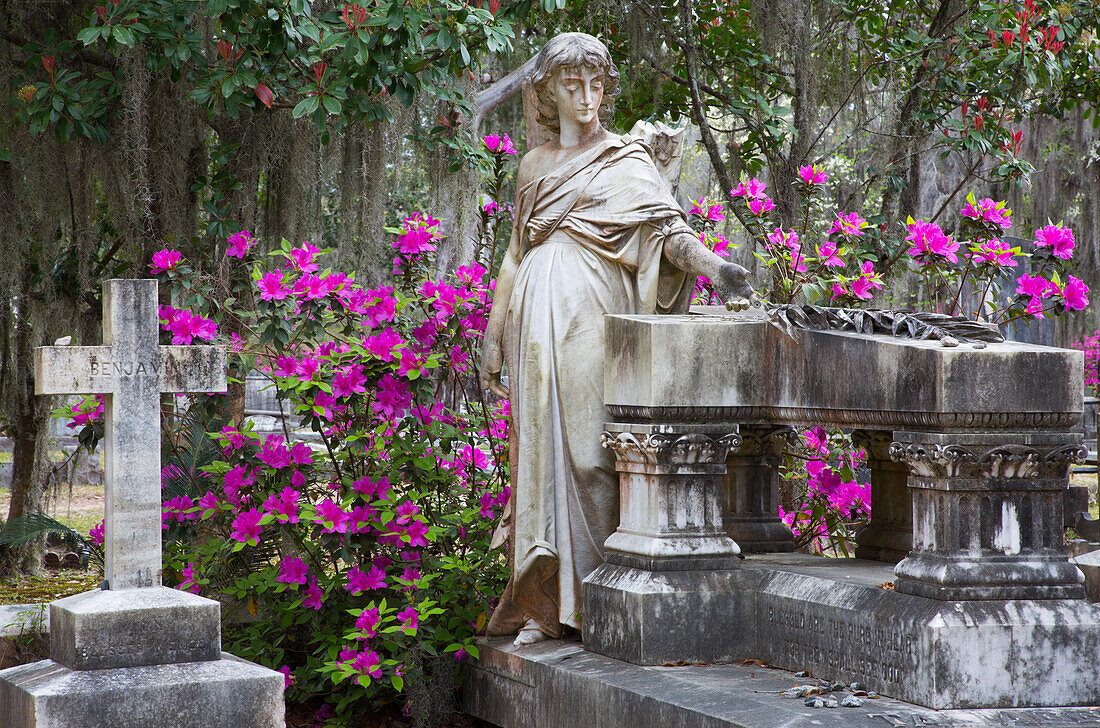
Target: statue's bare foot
x=530 y=634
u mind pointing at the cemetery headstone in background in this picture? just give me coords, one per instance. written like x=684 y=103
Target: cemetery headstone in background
x=135 y=653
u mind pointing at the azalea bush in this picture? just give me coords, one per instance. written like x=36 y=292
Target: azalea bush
x=356 y=560
x=810 y=262
x=822 y=259
x=361 y=556
x=975 y=274
x=830 y=499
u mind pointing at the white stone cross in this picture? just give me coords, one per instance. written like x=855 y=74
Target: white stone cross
x=132 y=370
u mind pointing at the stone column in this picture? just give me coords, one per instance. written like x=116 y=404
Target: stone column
x=987 y=515
x=670 y=498
x=752 y=491
x=667 y=589
x=889 y=535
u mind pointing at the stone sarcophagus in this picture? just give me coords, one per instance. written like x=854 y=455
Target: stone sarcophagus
x=969 y=446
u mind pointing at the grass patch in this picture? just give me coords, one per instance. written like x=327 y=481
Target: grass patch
x=33 y=590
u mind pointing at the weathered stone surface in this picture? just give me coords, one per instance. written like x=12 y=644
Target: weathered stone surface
x=651 y=618
x=225 y=693
x=832 y=618
x=130 y=627
x=18 y=618
x=1089 y=564
x=753 y=373
x=558 y=684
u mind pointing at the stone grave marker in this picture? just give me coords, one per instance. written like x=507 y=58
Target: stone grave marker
x=135 y=653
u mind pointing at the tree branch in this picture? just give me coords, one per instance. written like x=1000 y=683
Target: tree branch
x=500 y=92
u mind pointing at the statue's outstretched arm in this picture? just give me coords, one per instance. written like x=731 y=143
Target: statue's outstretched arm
x=686 y=251
x=492 y=346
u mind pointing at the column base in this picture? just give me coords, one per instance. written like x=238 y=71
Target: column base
x=761 y=536
x=654 y=617
x=995 y=576
x=883 y=544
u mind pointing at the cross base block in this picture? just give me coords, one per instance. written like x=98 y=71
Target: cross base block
x=101 y=630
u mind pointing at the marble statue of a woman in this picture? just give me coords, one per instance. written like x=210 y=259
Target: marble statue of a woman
x=596 y=231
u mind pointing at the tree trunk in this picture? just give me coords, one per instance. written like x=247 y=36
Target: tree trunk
x=27 y=489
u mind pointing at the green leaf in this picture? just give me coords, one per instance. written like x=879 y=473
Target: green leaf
x=306 y=106
x=88 y=36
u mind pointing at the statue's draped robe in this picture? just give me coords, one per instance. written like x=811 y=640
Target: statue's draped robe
x=589 y=237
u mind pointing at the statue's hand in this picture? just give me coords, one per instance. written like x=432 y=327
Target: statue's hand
x=732 y=284
x=492 y=361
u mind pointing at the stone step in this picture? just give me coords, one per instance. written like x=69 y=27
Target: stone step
x=558 y=684
x=224 y=693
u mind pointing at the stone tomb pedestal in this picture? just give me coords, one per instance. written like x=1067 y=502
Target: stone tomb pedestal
x=135 y=655
x=984 y=611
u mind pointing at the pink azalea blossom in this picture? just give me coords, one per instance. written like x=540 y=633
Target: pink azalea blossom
x=383 y=343
x=817 y=440
x=752 y=188
x=165 y=260
x=416 y=533
x=415 y=239
x=285 y=366
x=208 y=503
x=368 y=622
x=357 y=581
x=850 y=225
x=838 y=290
x=301 y=454
x=288 y=679
x=812 y=175
x=1035 y=286
x=96 y=534
x=499 y=144
x=410 y=620
x=928 y=238
x=986 y=209
x=246 y=526
x=368 y=662
x=272 y=288
x=996 y=253
x=283 y=506
x=275 y=453
x=302 y=257
x=1075 y=294
x=239 y=244
x=393 y=397
x=1060 y=240
x=721 y=247
x=313 y=597
x=758 y=206
x=292 y=571
x=868 y=280
x=829 y=255
x=187 y=579
x=706 y=211
x=331 y=512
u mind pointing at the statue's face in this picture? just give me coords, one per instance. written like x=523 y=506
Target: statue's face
x=578 y=92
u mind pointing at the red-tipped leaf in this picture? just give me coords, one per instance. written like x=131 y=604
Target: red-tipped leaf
x=263 y=93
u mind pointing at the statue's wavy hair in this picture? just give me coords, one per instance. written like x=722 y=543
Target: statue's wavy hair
x=572 y=50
